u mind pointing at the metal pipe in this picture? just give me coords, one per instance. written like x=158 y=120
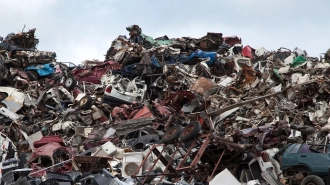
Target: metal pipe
x=69 y=160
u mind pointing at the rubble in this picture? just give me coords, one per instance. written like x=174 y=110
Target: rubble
x=182 y=111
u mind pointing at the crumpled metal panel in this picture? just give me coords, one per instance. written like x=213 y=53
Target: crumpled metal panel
x=202 y=85
x=15 y=99
x=20 y=41
x=178 y=99
x=95 y=73
x=128 y=126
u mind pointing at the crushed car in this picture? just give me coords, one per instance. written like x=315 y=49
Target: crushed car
x=164 y=111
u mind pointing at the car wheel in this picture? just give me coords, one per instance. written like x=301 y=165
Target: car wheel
x=190 y=131
x=33 y=75
x=70 y=83
x=3 y=96
x=312 y=180
x=85 y=103
x=86 y=112
x=3 y=105
x=172 y=134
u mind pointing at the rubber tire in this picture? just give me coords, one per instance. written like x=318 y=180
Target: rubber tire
x=33 y=75
x=70 y=83
x=172 y=134
x=312 y=178
x=3 y=105
x=3 y=96
x=188 y=134
x=85 y=103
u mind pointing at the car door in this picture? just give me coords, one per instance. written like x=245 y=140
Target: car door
x=318 y=162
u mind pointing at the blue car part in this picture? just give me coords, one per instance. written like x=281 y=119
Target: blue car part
x=42 y=69
x=155 y=61
x=202 y=54
x=132 y=69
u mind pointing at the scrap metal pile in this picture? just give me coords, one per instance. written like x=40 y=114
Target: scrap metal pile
x=159 y=111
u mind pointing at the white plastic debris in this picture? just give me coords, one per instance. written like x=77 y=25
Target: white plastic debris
x=253 y=182
x=131 y=162
x=224 y=178
x=298 y=78
x=284 y=70
x=261 y=51
x=289 y=59
x=226 y=81
x=107 y=149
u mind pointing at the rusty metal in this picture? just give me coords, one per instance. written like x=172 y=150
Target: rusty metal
x=169 y=163
x=299 y=176
x=170 y=132
x=92 y=163
x=61 y=163
x=205 y=151
x=191 y=169
x=131 y=125
x=24 y=39
x=249 y=74
x=202 y=85
x=200 y=88
x=178 y=99
x=159 y=157
x=216 y=166
x=201 y=150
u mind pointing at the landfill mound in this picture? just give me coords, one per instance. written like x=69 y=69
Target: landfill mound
x=164 y=111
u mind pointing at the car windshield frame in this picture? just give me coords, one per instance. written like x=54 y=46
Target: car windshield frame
x=295 y=149
x=303 y=149
x=70 y=64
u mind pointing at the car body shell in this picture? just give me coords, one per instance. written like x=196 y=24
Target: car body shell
x=94 y=73
x=42 y=69
x=119 y=95
x=303 y=156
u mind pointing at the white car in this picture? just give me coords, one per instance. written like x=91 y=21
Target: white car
x=265 y=164
x=124 y=91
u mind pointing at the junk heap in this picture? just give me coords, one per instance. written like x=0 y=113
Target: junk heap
x=158 y=111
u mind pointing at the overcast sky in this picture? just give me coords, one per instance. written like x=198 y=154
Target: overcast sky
x=78 y=30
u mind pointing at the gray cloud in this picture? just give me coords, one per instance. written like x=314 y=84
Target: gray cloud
x=80 y=30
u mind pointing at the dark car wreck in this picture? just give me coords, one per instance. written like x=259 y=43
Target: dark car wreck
x=24 y=41
x=299 y=165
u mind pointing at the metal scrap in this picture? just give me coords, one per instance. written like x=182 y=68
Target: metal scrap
x=167 y=111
